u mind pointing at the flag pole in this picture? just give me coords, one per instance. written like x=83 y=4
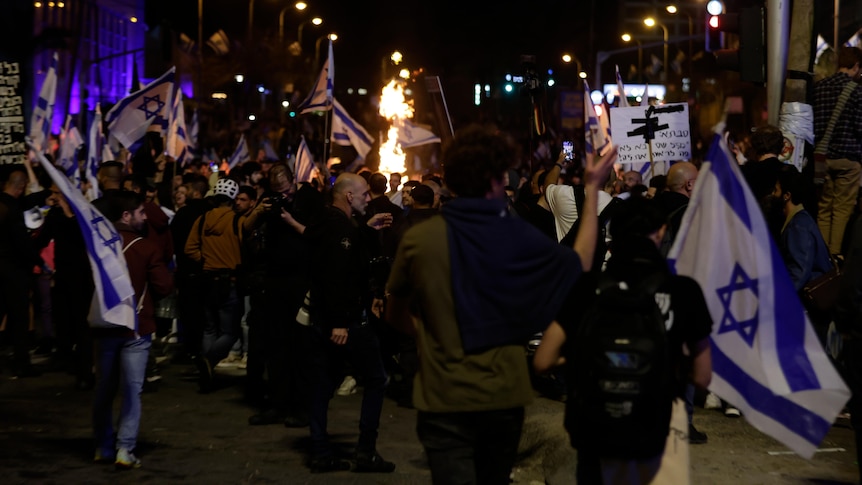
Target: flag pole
x=651 y=164
x=330 y=88
x=326 y=135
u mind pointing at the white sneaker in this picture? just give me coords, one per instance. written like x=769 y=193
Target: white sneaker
x=732 y=412
x=347 y=387
x=243 y=364
x=712 y=402
x=126 y=459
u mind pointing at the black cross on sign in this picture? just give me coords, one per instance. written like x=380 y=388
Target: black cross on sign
x=651 y=125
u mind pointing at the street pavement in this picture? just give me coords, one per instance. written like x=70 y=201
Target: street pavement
x=187 y=437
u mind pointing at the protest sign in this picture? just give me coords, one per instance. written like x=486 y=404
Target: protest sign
x=665 y=127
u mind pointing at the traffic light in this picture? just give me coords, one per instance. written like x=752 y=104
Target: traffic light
x=714 y=37
x=750 y=56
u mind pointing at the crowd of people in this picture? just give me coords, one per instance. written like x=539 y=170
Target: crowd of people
x=426 y=290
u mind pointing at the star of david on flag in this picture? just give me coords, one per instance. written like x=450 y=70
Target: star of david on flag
x=132 y=116
x=766 y=358
x=320 y=97
x=40 y=121
x=113 y=302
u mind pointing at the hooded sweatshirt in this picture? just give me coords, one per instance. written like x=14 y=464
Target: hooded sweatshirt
x=508 y=279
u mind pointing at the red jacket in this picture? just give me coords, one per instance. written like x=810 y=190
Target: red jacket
x=146 y=269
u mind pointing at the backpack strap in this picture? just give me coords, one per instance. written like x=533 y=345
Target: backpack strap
x=569 y=238
x=822 y=148
x=131 y=243
x=140 y=304
x=203 y=219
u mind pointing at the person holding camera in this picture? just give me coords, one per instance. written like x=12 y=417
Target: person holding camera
x=278 y=257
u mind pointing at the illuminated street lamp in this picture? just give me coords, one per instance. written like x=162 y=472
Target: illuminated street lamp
x=651 y=22
x=315 y=21
x=568 y=59
x=672 y=9
x=629 y=38
x=333 y=37
x=299 y=6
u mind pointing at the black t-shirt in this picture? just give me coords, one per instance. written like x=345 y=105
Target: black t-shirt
x=542 y=219
x=680 y=299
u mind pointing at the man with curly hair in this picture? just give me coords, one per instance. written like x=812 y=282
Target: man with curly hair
x=473 y=284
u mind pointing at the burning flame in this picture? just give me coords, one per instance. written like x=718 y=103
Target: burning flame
x=394 y=108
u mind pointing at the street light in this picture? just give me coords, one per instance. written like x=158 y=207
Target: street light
x=629 y=38
x=333 y=37
x=568 y=58
x=299 y=6
x=651 y=22
x=673 y=10
x=315 y=21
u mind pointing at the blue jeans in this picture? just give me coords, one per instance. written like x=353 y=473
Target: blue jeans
x=121 y=362
x=223 y=310
x=362 y=352
x=471 y=448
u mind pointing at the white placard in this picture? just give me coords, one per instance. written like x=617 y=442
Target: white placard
x=672 y=140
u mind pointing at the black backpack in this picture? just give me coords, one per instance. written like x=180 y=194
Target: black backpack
x=621 y=384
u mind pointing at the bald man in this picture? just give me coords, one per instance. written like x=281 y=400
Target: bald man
x=630 y=179
x=17 y=258
x=341 y=296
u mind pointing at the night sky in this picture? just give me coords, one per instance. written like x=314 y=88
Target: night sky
x=480 y=39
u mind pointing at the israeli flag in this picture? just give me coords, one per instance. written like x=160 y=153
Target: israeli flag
x=240 y=155
x=596 y=136
x=130 y=118
x=320 y=97
x=766 y=358
x=193 y=131
x=347 y=132
x=212 y=157
x=114 y=299
x=304 y=163
x=822 y=46
x=268 y=151
x=624 y=100
x=412 y=135
x=177 y=146
x=94 y=155
x=855 y=40
x=70 y=141
x=40 y=120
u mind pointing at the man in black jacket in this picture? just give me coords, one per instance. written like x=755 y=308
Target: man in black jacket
x=277 y=258
x=189 y=296
x=340 y=297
